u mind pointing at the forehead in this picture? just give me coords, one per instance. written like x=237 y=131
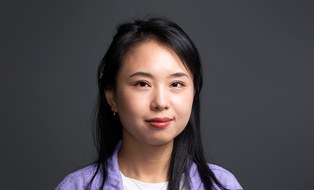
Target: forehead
x=154 y=56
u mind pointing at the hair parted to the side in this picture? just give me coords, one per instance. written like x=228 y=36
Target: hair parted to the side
x=108 y=132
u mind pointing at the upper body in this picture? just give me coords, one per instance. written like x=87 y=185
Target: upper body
x=149 y=100
x=79 y=179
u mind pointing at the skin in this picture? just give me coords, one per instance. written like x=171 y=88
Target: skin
x=151 y=83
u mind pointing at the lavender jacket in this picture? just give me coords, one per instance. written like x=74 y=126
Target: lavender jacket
x=78 y=180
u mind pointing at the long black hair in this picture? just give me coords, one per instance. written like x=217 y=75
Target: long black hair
x=108 y=132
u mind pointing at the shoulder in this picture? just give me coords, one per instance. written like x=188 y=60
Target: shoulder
x=226 y=178
x=79 y=179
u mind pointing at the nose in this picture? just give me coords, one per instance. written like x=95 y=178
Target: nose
x=159 y=100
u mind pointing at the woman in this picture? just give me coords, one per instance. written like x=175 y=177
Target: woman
x=148 y=125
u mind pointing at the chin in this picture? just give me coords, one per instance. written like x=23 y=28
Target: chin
x=159 y=142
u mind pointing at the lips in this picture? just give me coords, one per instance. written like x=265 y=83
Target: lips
x=159 y=122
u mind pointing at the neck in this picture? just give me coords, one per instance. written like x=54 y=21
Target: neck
x=147 y=163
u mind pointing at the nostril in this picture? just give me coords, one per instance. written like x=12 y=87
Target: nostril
x=160 y=108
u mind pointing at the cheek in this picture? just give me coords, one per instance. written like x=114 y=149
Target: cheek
x=129 y=104
x=183 y=105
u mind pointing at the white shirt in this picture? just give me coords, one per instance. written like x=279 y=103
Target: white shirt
x=132 y=184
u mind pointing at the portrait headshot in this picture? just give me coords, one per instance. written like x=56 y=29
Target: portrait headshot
x=157 y=95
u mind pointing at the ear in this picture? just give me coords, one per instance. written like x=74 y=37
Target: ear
x=111 y=99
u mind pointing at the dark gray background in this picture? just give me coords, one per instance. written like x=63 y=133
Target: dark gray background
x=257 y=101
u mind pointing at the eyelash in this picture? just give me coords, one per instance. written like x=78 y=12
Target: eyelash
x=141 y=83
x=178 y=82
x=144 y=84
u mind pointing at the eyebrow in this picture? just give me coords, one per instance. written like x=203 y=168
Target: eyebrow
x=144 y=74
x=179 y=75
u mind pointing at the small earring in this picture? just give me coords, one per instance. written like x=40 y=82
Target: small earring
x=114 y=113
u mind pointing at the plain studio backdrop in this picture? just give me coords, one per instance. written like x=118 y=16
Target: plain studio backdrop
x=257 y=100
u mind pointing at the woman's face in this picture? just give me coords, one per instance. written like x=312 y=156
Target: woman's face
x=153 y=96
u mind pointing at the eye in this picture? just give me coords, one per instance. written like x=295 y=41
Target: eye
x=142 y=84
x=177 y=84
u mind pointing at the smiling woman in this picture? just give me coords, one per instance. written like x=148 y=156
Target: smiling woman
x=148 y=133
x=154 y=90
